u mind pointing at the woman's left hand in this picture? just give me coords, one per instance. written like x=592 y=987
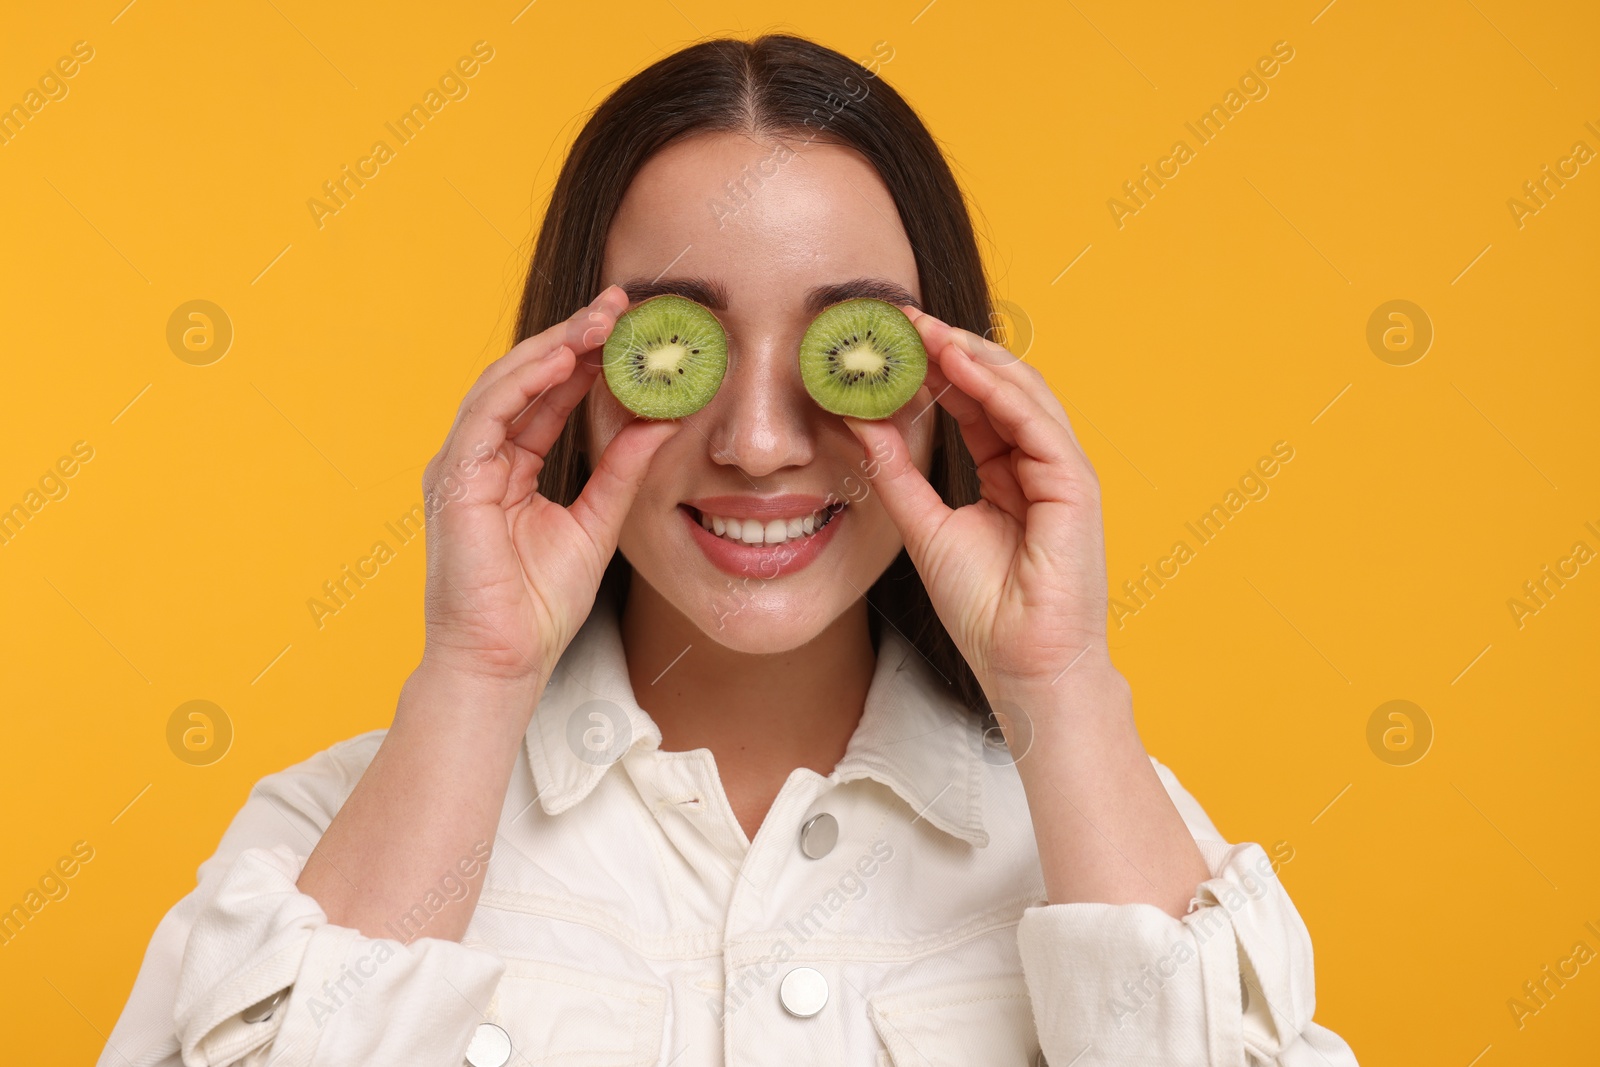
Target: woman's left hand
x=1019 y=580
x=1019 y=577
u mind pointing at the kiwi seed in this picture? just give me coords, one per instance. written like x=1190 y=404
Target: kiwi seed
x=863 y=358
x=666 y=357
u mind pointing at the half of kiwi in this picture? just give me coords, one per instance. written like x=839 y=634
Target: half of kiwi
x=863 y=358
x=666 y=357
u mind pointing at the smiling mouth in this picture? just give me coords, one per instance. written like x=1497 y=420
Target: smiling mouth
x=774 y=531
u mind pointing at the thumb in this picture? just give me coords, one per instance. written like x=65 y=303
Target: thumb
x=912 y=502
x=616 y=479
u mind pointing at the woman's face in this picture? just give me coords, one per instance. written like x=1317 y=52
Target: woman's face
x=807 y=229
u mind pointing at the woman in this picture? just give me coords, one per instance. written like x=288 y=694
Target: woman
x=655 y=797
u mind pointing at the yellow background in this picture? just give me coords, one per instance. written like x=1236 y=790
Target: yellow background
x=1224 y=316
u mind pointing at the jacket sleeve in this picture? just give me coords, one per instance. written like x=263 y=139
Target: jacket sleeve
x=1230 y=983
x=245 y=934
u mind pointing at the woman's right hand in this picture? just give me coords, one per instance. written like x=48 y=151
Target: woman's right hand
x=512 y=575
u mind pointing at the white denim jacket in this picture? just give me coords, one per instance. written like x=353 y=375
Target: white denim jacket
x=626 y=920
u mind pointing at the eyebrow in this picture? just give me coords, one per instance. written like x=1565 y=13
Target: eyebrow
x=715 y=296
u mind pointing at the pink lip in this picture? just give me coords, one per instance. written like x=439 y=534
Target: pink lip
x=786 y=505
x=762 y=561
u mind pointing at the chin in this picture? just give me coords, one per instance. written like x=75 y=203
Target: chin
x=746 y=615
x=757 y=621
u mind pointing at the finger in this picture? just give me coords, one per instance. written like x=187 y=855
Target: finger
x=977 y=432
x=1029 y=469
x=937 y=333
x=1024 y=375
x=583 y=331
x=523 y=480
x=938 y=337
x=953 y=361
x=913 y=504
x=475 y=446
x=992 y=455
x=616 y=479
x=1000 y=483
x=1020 y=417
x=537 y=427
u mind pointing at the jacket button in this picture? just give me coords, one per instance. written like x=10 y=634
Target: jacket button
x=262 y=1010
x=491 y=1047
x=818 y=836
x=804 y=992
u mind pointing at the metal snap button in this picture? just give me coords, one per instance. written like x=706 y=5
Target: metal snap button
x=262 y=1010
x=804 y=992
x=818 y=836
x=491 y=1047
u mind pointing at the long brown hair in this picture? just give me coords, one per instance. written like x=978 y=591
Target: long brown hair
x=776 y=85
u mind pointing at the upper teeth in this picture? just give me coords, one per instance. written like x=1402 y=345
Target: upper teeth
x=764 y=531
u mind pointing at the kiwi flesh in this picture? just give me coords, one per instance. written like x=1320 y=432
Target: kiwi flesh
x=863 y=358
x=666 y=357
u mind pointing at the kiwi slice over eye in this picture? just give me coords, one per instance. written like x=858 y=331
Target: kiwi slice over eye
x=665 y=358
x=863 y=358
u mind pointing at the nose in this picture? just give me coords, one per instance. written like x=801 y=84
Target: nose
x=761 y=420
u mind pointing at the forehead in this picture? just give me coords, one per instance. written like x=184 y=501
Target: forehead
x=763 y=220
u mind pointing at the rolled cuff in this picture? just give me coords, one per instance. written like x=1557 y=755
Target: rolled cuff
x=351 y=998
x=1128 y=983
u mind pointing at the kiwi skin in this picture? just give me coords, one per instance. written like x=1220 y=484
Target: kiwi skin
x=861 y=390
x=691 y=350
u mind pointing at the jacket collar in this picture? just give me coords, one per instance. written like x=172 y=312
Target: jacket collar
x=914 y=736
